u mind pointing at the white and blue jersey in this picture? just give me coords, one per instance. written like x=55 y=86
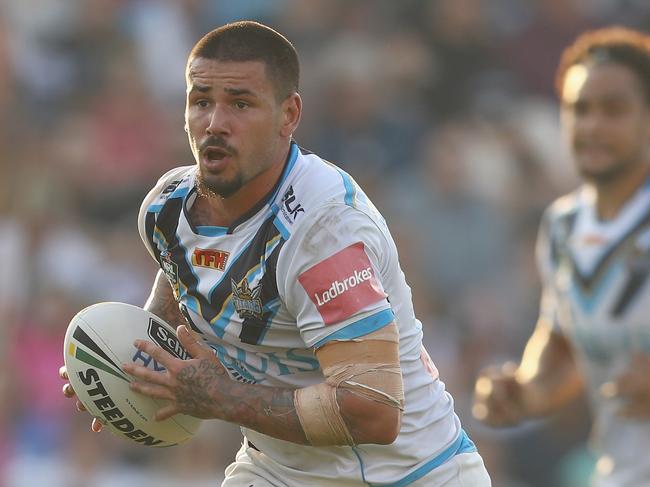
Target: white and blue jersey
x=312 y=262
x=597 y=293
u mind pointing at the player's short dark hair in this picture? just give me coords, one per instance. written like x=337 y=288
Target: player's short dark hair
x=251 y=41
x=619 y=45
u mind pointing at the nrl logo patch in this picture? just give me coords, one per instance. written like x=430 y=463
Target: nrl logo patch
x=247 y=301
x=170 y=269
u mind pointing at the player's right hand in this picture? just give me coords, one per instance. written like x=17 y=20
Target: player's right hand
x=498 y=396
x=68 y=392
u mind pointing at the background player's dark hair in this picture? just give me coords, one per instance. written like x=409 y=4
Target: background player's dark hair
x=251 y=41
x=619 y=45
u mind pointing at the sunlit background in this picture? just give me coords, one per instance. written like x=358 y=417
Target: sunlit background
x=444 y=112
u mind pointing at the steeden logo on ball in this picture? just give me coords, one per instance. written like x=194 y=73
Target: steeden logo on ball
x=98 y=339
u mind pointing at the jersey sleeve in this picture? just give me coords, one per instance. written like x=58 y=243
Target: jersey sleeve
x=151 y=205
x=544 y=254
x=332 y=275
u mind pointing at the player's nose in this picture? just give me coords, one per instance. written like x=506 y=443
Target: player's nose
x=219 y=123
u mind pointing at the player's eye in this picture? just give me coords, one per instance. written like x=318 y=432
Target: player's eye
x=241 y=105
x=202 y=103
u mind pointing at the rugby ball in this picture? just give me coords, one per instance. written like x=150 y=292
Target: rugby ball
x=100 y=338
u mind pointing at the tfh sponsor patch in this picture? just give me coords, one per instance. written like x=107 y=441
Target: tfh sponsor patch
x=342 y=284
x=216 y=259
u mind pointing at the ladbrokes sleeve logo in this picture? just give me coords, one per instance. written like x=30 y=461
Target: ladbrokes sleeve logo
x=342 y=284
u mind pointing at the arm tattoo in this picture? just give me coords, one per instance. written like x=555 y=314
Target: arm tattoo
x=161 y=302
x=208 y=392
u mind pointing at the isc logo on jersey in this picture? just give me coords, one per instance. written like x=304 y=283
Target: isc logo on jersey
x=342 y=284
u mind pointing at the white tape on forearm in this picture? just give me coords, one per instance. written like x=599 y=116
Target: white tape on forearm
x=320 y=417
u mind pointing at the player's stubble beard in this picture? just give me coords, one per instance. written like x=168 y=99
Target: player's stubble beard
x=219 y=188
x=222 y=191
x=611 y=174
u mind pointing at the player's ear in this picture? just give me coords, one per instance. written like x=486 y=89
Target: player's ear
x=291 y=111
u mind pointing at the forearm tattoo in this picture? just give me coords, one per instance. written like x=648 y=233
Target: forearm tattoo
x=206 y=391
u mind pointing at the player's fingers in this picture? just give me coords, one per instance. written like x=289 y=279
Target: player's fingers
x=495 y=399
x=80 y=406
x=68 y=391
x=152 y=390
x=96 y=425
x=63 y=373
x=194 y=345
x=145 y=374
x=509 y=369
x=166 y=412
x=496 y=411
x=154 y=351
x=497 y=388
x=609 y=389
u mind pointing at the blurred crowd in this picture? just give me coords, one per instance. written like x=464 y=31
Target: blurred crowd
x=443 y=110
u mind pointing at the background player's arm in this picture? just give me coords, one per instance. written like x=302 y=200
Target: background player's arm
x=545 y=381
x=201 y=387
x=548 y=373
x=632 y=388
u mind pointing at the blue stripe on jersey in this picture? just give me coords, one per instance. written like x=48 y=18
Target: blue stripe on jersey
x=293 y=157
x=270 y=247
x=159 y=239
x=281 y=228
x=192 y=301
x=361 y=467
x=360 y=328
x=284 y=231
x=272 y=306
x=463 y=444
x=180 y=192
x=221 y=320
x=154 y=208
x=211 y=231
x=350 y=197
x=588 y=300
x=234 y=260
x=350 y=189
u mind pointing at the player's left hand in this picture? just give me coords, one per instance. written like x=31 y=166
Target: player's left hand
x=633 y=387
x=190 y=385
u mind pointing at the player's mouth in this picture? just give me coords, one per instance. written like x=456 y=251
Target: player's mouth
x=593 y=150
x=214 y=158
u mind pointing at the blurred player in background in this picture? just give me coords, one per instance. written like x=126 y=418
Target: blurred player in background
x=594 y=259
x=279 y=261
